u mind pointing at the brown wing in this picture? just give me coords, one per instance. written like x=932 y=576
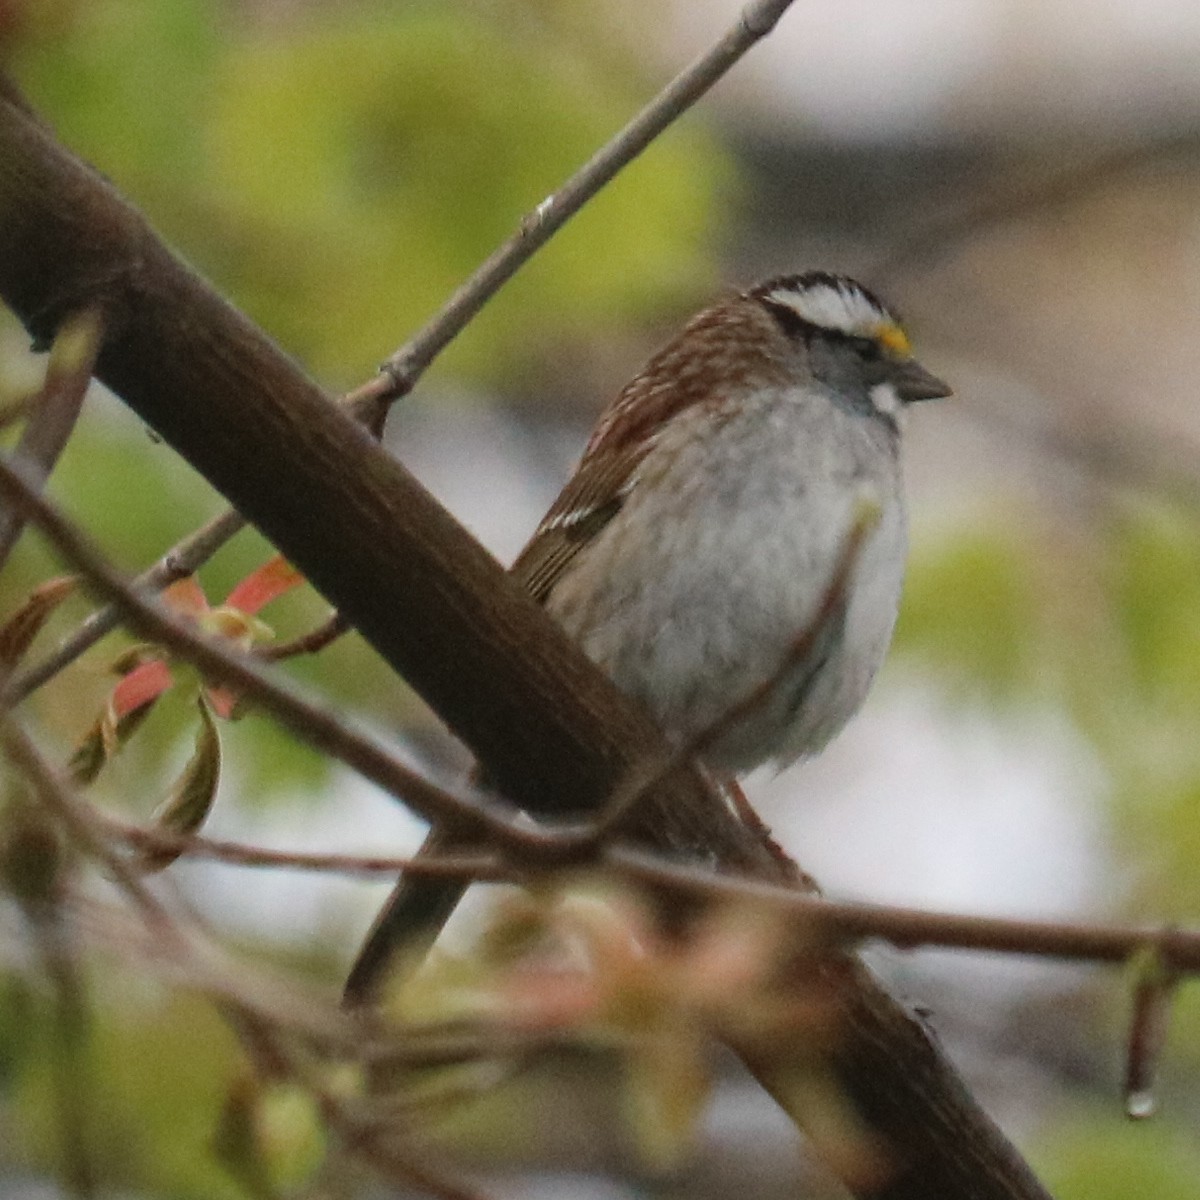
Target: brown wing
x=694 y=367
x=591 y=498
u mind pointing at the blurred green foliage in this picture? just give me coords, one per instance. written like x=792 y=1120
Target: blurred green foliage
x=1092 y=1154
x=1154 y=587
x=370 y=165
x=341 y=172
x=1097 y=620
x=154 y=1073
x=968 y=603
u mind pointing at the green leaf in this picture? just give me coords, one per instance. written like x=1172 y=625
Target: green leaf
x=107 y=736
x=191 y=799
x=18 y=632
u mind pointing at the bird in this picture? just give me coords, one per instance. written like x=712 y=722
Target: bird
x=698 y=551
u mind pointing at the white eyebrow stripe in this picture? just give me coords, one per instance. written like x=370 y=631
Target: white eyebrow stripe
x=845 y=310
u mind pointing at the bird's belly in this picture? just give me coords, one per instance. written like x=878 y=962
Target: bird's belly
x=729 y=627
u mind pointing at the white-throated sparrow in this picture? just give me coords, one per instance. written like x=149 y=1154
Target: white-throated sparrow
x=699 y=535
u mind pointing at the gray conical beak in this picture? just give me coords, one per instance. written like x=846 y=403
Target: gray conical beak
x=913 y=382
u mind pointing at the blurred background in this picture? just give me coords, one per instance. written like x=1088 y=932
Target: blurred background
x=1021 y=180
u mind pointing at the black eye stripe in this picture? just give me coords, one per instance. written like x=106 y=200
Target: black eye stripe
x=791 y=322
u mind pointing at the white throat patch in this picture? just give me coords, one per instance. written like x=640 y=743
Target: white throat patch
x=886 y=400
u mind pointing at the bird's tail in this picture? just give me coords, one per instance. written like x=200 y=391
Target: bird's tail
x=411 y=919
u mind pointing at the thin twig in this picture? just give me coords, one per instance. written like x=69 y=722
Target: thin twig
x=408 y=363
x=193 y=961
x=904 y=927
x=56 y=408
x=293 y=1007
x=321 y=726
x=1153 y=999
x=833 y=603
x=482 y=866
x=908 y=928
x=315 y=640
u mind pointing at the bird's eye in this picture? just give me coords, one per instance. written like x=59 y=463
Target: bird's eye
x=867 y=348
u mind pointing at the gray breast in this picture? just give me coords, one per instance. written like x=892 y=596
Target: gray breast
x=707 y=586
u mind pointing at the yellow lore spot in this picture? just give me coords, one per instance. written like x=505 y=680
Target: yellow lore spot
x=893 y=338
